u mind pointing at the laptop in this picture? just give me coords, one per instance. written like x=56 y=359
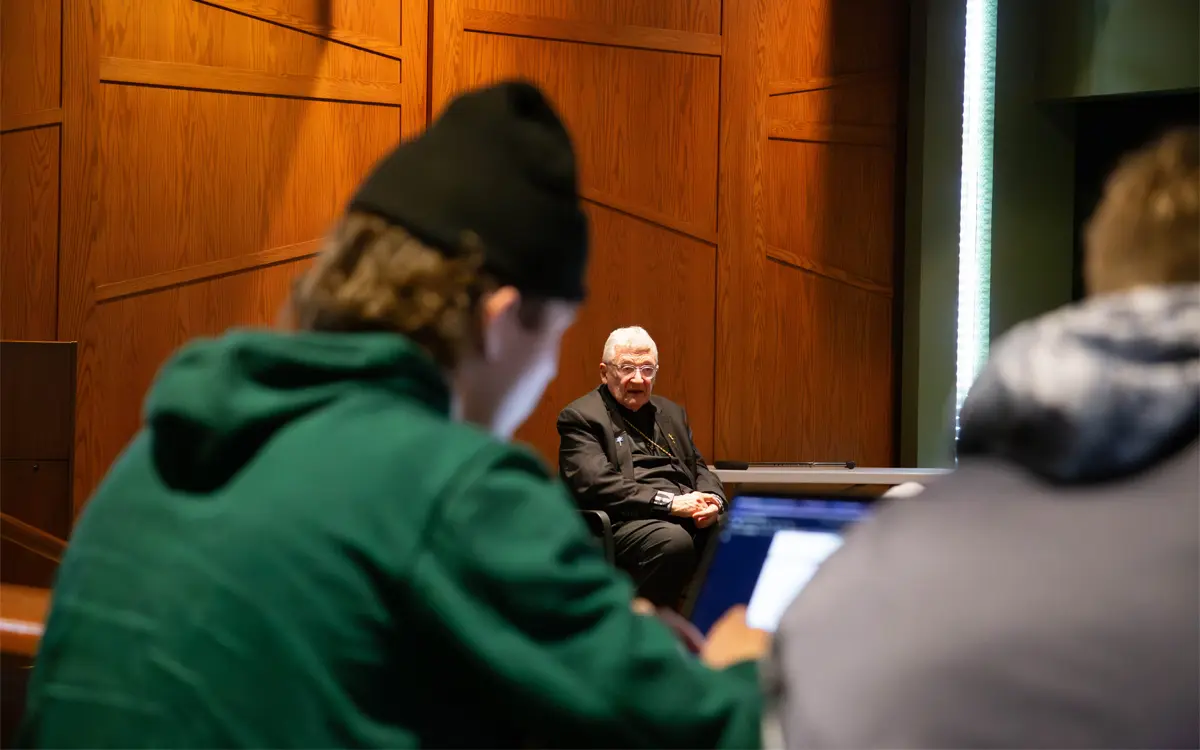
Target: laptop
x=768 y=549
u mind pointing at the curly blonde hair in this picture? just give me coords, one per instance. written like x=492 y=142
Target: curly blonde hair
x=375 y=276
x=1146 y=230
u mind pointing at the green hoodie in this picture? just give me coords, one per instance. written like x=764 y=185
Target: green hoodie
x=301 y=549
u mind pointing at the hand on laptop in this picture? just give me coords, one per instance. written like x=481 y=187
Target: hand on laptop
x=731 y=641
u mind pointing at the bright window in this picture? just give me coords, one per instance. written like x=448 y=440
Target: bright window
x=975 y=227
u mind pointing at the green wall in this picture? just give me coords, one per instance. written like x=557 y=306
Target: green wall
x=1050 y=54
x=1033 y=183
x=1107 y=47
x=934 y=162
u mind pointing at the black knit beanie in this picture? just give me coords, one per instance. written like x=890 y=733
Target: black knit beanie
x=498 y=163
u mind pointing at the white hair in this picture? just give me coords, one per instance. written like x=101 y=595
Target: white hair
x=633 y=337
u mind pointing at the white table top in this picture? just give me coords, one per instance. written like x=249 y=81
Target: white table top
x=759 y=476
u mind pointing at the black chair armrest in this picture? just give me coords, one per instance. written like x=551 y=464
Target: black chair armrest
x=600 y=525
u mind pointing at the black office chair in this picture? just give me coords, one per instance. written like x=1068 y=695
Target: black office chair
x=600 y=525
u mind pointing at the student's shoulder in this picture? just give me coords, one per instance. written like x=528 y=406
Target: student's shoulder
x=482 y=454
x=494 y=455
x=496 y=473
x=401 y=441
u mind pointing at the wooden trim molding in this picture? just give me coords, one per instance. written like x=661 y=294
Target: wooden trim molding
x=415 y=33
x=22 y=617
x=743 y=275
x=636 y=37
x=156 y=282
x=235 y=80
x=29 y=537
x=828 y=132
x=261 y=12
x=652 y=217
x=240 y=264
x=833 y=273
x=30 y=120
x=820 y=83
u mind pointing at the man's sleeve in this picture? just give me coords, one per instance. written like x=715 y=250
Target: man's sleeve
x=595 y=482
x=539 y=620
x=706 y=481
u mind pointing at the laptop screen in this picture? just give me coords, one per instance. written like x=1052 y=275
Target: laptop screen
x=768 y=550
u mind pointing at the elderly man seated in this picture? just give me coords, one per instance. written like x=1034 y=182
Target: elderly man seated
x=631 y=454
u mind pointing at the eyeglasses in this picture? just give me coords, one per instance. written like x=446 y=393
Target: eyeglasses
x=626 y=371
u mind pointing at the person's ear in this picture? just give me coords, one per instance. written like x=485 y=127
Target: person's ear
x=496 y=309
x=603 y=372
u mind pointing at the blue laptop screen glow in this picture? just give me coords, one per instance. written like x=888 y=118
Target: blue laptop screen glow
x=767 y=552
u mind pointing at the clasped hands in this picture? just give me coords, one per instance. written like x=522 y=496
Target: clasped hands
x=701 y=507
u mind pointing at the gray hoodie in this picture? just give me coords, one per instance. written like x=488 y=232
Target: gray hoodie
x=1047 y=594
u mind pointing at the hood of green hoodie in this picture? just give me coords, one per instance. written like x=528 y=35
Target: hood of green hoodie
x=218 y=401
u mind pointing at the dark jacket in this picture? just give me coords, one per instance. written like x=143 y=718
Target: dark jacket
x=599 y=469
x=1046 y=594
x=302 y=549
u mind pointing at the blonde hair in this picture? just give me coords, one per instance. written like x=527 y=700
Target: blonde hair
x=1146 y=230
x=374 y=276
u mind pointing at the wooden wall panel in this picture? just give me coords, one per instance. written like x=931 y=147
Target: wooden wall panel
x=35 y=398
x=648 y=169
x=813 y=39
x=30 y=113
x=142 y=331
x=792 y=218
x=635 y=151
x=214 y=192
x=701 y=16
x=833 y=353
x=834 y=229
x=211 y=143
x=741 y=351
x=853 y=99
x=36 y=494
x=29 y=233
x=260 y=35
x=37 y=406
x=818 y=252
x=738 y=159
x=30 y=72
x=672 y=278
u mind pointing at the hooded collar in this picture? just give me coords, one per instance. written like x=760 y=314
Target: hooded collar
x=218 y=401
x=1093 y=391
